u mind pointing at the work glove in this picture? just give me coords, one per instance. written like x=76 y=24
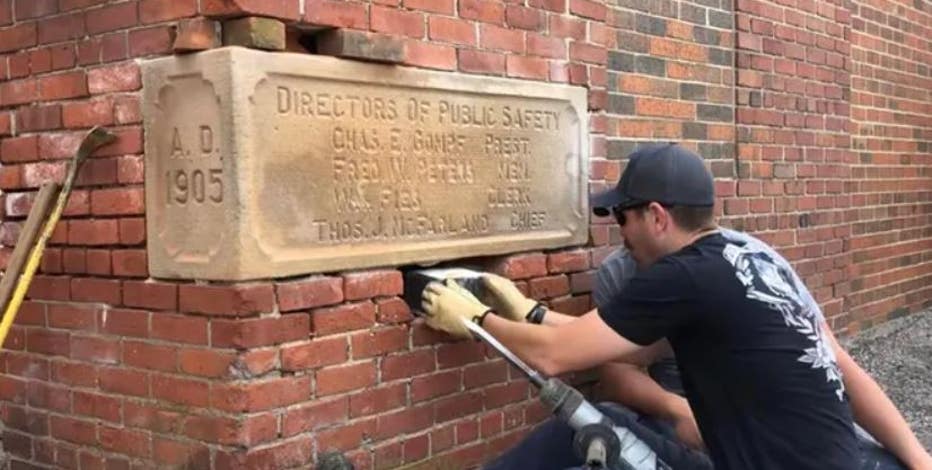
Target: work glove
x=447 y=305
x=505 y=298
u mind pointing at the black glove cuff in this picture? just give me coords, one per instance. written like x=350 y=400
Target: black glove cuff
x=478 y=319
x=536 y=315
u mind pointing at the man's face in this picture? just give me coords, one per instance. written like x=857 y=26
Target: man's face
x=636 y=232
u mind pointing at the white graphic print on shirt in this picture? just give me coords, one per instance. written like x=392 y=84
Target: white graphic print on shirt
x=774 y=285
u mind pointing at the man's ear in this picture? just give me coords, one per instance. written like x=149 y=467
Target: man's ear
x=659 y=217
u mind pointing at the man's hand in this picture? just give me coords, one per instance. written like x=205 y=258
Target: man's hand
x=502 y=295
x=684 y=423
x=447 y=306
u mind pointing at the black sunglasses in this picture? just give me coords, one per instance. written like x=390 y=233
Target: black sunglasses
x=619 y=211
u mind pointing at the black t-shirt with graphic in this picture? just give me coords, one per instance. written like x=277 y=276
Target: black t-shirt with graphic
x=760 y=376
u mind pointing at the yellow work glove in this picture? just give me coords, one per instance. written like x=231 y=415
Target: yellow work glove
x=446 y=306
x=505 y=298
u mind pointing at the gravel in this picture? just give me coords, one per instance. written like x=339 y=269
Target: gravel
x=898 y=354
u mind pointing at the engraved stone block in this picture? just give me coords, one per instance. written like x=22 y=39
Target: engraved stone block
x=264 y=165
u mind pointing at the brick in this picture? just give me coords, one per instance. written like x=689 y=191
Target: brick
x=132 y=231
x=339 y=14
x=40 y=60
x=255 y=32
x=151 y=295
x=408 y=364
x=485 y=11
x=63 y=86
x=657 y=107
x=179 y=453
x=58 y=146
x=27 y=9
x=18 y=92
x=97 y=112
x=377 y=400
x=96 y=290
x=50 y=288
x=316 y=415
x=181 y=391
x=678 y=50
x=452 y=30
x=213 y=429
x=556 y=6
x=393 y=310
x=112 y=17
x=444 y=7
x=275 y=393
x=342 y=318
x=92 y=232
x=72 y=317
x=501 y=39
x=6 y=13
x=114 y=47
x=568 y=261
x=435 y=385
x=319 y=352
x=370 y=284
x=60 y=28
x=5 y=121
x=18 y=37
x=123 y=381
x=590 y=53
x=124 y=322
x=588 y=9
x=522 y=266
x=126 y=110
x=520 y=17
x=527 y=67
x=197 y=35
x=92 y=349
x=150 y=41
x=379 y=342
x=546 y=46
x=331 y=380
x=313 y=292
x=156 y=11
x=473 y=61
x=207 y=363
x=73 y=430
x=287 y=10
x=112 y=78
x=19 y=149
x=179 y=328
x=251 y=333
x=362 y=45
x=232 y=300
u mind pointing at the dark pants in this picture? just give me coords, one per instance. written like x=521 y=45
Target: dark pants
x=550 y=446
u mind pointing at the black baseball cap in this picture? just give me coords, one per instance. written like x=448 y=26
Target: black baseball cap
x=665 y=173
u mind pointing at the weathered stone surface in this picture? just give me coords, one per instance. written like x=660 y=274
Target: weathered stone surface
x=255 y=32
x=361 y=45
x=275 y=164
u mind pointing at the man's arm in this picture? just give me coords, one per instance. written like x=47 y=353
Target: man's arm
x=576 y=345
x=874 y=411
x=629 y=385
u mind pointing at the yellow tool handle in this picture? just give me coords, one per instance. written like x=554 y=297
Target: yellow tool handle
x=32 y=263
x=94 y=139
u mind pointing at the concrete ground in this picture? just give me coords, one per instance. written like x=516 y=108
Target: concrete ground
x=898 y=354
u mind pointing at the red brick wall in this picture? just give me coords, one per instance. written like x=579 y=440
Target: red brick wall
x=815 y=118
x=891 y=134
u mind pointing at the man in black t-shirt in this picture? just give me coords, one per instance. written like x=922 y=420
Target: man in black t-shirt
x=654 y=391
x=761 y=380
